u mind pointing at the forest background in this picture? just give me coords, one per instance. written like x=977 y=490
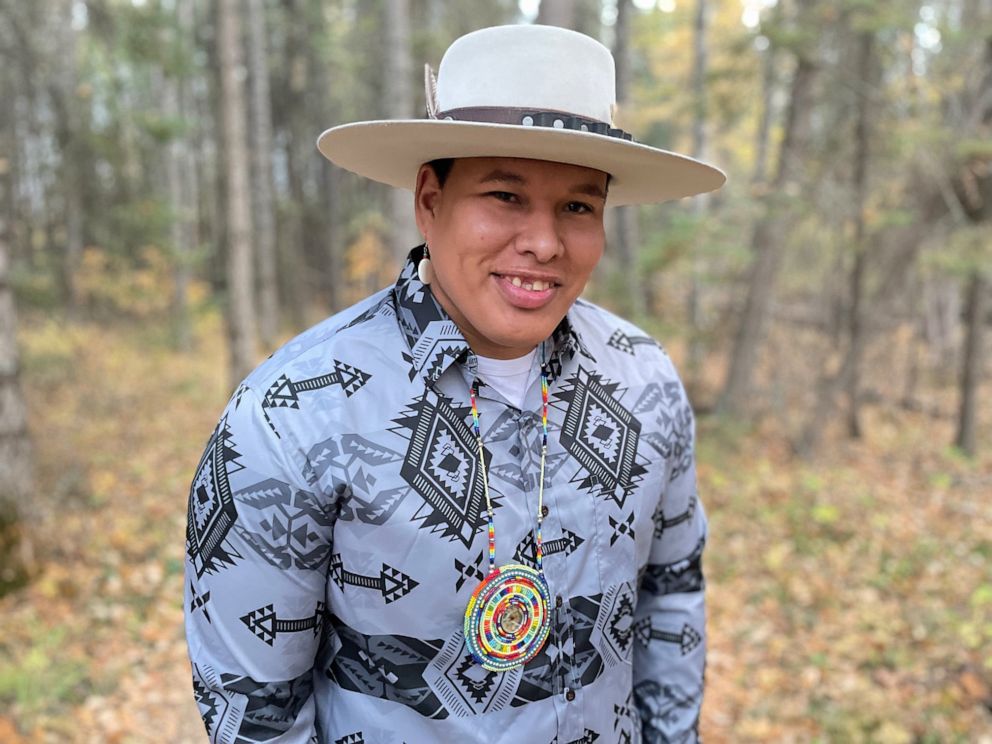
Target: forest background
x=165 y=222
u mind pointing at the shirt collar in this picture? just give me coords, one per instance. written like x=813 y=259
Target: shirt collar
x=435 y=342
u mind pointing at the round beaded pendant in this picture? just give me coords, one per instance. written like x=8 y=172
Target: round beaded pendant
x=507 y=619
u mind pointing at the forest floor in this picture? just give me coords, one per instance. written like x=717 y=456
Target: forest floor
x=850 y=597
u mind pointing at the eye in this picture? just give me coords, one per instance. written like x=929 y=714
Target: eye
x=504 y=196
x=576 y=207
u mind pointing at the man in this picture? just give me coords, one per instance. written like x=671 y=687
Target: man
x=465 y=509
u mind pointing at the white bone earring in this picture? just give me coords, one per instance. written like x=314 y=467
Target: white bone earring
x=424 y=270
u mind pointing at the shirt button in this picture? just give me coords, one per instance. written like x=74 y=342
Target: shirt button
x=544 y=511
x=570 y=695
x=558 y=601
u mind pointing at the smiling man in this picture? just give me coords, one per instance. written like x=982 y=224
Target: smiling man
x=465 y=509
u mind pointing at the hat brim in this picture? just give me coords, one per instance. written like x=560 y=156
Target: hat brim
x=391 y=152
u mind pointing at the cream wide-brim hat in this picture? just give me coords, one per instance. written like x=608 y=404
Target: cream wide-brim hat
x=527 y=91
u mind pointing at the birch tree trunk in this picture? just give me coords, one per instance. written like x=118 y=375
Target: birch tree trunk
x=768 y=239
x=16 y=470
x=240 y=275
x=261 y=161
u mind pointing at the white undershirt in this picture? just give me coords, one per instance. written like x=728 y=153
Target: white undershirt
x=510 y=377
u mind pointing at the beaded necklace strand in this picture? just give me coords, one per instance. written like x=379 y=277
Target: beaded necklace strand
x=507 y=620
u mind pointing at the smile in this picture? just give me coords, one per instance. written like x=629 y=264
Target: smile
x=526 y=292
x=531 y=285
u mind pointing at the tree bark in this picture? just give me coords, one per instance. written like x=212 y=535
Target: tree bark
x=626 y=230
x=558 y=13
x=768 y=244
x=398 y=86
x=70 y=145
x=862 y=134
x=974 y=359
x=180 y=170
x=262 y=199
x=701 y=202
x=16 y=470
x=240 y=275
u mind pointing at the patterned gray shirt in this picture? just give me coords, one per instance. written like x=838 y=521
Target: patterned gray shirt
x=337 y=529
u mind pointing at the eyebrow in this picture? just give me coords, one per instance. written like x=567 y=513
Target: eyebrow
x=505 y=176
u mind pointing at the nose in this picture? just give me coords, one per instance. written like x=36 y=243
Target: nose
x=540 y=236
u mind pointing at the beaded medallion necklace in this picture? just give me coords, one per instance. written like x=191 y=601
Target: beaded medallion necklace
x=507 y=620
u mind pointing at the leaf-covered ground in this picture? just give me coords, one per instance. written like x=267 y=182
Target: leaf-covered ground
x=850 y=599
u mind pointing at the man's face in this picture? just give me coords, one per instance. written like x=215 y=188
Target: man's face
x=512 y=244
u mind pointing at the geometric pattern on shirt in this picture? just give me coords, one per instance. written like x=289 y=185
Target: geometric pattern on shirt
x=569 y=658
x=687 y=639
x=355 y=738
x=684 y=575
x=622 y=342
x=352 y=461
x=221 y=712
x=264 y=623
x=284 y=393
x=271 y=708
x=600 y=434
x=588 y=736
x=663 y=709
x=673 y=437
x=624 y=719
x=197 y=602
x=526 y=552
x=438 y=678
x=662 y=523
x=391 y=583
x=441 y=464
x=212 y=512
x=613 y=631
x=468 y=571
x=622 y=527
x=463 y=686
x=291 y=528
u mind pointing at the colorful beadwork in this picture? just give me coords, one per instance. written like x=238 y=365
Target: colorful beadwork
x=507 y=620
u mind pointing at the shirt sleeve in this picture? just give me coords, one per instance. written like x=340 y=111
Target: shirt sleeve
x=258 y=539
x=670 y=621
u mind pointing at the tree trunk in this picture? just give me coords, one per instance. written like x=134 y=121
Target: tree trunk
x=240 y=274
x=262 y=200
x=180 y=170
x=701 y=202
x=558 y=13
x=974 y=359
x=70 y=144
x=768 y=242
x=398 y=87
x=16 y=476
x=862 y=135
x=626 y=231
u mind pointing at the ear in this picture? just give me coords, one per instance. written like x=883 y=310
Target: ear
x=425 y=199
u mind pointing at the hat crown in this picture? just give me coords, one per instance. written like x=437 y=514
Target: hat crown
x=545 y=68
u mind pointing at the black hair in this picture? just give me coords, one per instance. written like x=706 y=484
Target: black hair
x=441 y=168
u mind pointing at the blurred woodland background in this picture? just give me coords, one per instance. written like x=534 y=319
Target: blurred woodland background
x=166 y=222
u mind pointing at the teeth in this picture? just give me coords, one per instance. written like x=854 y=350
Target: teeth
x=535 y=286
